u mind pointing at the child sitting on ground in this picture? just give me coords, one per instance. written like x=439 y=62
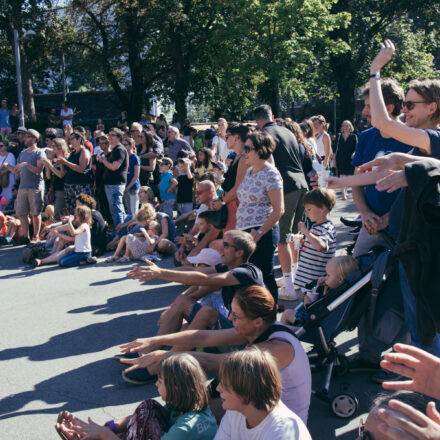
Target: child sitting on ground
x=143 y=242
x=181 y=383
x=47 y=220
x=337 y=269
x=166 y=187
x=320 y=239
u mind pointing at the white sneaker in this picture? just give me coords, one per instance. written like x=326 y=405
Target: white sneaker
x=283 y=293
x=281 y=282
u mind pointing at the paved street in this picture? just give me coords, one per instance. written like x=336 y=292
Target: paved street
x=60 y=328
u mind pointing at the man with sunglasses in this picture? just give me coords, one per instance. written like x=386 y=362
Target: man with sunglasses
x=233 y=274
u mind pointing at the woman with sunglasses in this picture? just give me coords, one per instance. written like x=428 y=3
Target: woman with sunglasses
x=261 y=204
x=6 y=158
x=253 y=315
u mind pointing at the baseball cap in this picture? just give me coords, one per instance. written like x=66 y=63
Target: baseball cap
x=33 y=133
x=208 y=256
x=21 y=130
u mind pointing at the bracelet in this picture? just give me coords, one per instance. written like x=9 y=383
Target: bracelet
x=112 y=425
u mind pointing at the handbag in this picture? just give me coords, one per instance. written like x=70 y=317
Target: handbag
x=4 y=178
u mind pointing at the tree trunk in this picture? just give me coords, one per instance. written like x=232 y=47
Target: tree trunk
x=28 y=90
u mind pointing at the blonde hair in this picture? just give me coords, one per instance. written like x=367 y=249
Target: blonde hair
x=348 y=123
x=185 y=383
x=429 y=90
x=346 y=264
x=239 y=371
x=60 y=144
x=146 y=212
x=49 y=211
x=156 y=226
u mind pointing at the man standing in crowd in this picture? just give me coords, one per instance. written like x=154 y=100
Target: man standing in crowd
x=288 y=161
x=175 y=144
x=5 y=125
x=374 y=205
x=66 y=114
x=30 y=194
x=157 y=153
x=115 y=177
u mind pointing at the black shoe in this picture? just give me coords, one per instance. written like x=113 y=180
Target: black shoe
x=386 y=376
x=358 y=365
x=140 y=376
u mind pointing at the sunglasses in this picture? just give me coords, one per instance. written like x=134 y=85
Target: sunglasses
x=228 y=245
x=248 y=149
x=411 y=104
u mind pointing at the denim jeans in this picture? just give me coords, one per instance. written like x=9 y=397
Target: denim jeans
x=409 y=308
x=264 y=258
x=115 y=194
x=167 y=207
x=131 y=201
x=73 y=259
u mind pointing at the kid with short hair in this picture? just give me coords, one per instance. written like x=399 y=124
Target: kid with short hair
x=319 y=239
x=166 y=187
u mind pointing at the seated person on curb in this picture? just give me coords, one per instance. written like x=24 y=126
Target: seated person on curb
x=205 y=195
x=234 y=273
x=254 y=409
x=253 y=314
x=181 y=383
x=337 y=269
x=205 y=228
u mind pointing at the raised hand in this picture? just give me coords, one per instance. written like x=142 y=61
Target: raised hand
x=394 y=181
x=385 y=54
x=141 y=344
x=421 y=367
x=414 y=425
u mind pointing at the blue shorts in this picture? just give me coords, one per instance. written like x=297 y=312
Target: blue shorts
x=222 y=321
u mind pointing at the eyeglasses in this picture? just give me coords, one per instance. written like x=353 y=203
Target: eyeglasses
x=113 y=135
x=411 y=104
x=248 y=149
x=234 y=317
x=104 y=142
x=362 y=434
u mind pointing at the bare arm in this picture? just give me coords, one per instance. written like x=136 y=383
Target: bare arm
x=84 y=160
x=277 y=201
x=204 y=242
x=38 y=169
x=327 y=149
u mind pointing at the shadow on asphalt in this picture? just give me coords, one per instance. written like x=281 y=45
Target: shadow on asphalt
x=95 y=385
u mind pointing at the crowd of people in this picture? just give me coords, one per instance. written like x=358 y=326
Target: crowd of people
x=220 y=203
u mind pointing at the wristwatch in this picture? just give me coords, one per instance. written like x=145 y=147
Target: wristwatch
x=375 y=75
x=259 y=231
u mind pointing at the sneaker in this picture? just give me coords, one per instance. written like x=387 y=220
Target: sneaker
x=91 y=260
x=118 y=357
x=140 y=376
x=283 y=293
x=281 y=282
x=359 y=365
x=385 y=376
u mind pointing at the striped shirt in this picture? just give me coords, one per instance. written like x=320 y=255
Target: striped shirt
x=311 y=265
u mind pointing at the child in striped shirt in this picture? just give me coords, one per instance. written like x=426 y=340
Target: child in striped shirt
x=320 y=237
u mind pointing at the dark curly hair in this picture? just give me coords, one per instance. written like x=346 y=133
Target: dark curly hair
x=87 y=200
x=263 y=143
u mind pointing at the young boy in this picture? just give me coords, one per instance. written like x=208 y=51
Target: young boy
x=166 y=187
x=319 y=243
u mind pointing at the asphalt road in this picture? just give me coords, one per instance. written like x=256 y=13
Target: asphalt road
x=60 y=328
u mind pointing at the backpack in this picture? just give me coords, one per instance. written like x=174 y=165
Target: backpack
x=36 y=250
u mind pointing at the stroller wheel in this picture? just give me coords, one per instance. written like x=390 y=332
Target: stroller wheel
x=344 y=405
x=342 y=367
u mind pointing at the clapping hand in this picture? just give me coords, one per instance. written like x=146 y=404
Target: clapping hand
x=145 y=273
x=394 y=181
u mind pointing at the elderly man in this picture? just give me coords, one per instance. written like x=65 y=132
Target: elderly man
x=175 y=144
x=233 y=274
x=30 y=164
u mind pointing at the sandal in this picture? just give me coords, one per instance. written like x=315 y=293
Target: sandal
x=112 y=259
x=124 y=259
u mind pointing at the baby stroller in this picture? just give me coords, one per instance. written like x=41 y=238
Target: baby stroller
x=339 y=310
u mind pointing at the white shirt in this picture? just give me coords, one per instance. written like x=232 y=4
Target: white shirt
x=220 y=148
x=320 y=145
x=83 y=240
x=199 y=210
x=280 y=424
x=68 y=112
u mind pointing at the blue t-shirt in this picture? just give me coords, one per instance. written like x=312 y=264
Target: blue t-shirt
x=133 y=160
x=165 y=183
x=4 y=118
x=371 y=145
x=172 y=232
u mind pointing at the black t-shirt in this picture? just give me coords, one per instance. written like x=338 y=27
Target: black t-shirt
x=184 y=189
x=118 y=177
x=98 y=232
x=287 y=157
x=247 y=274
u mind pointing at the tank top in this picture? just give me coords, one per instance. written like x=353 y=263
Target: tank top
x=296 y=378
x=83 y=240
x=72 y=177
x=230 y=176
x=320 y=145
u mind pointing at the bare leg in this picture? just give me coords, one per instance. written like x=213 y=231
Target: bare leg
x=120 y=246
x=25 y=225
x=36 y=222
x=285 y=257
x=56 y=256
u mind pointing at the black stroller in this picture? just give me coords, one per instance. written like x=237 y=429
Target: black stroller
x=339 y=310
